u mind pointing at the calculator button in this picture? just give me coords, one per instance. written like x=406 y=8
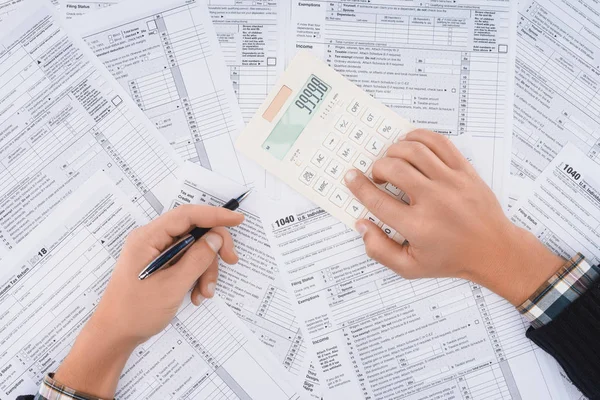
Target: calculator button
x=363 y=163
x=307 y=176
x=355 y=209
x=370 y=118
x=355 y=107
x=334 y=169
x=332 y=141
x=374 y=146
x=322 y=187
x=398 y=238
x=358 y=135
x=339 y=197
x=319 y=159
x=405 y=199
x=388 y=230
x=386 y=129
x=346 y=152
x=343 y=124
x=392 y=189
x=373 y=218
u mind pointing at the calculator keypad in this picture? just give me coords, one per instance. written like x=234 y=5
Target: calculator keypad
x=357 y=136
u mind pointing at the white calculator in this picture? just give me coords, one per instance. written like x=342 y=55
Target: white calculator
x=314 y=126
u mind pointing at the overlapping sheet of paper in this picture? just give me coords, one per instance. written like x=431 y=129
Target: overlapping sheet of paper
x=62 y=119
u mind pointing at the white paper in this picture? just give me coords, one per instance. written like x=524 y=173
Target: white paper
x=252 y=288
x=446 y=67
x=562 y=207
x=249 y=37
x=379 y=336
x=7 y=8
x=167 y=57
x=57 y=276
x=62 y=118
x=557 y=84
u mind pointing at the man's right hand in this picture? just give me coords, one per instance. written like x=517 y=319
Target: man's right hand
x=454 y=225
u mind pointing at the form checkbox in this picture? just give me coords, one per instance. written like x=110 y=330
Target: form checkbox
x=117 y=100
x=151 y=25
x=502 y=48
x=271 y=61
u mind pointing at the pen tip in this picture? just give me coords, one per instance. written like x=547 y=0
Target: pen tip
x=243 y=196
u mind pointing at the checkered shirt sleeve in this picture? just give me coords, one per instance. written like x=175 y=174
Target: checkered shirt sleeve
x=558 y=292
x=53 y=390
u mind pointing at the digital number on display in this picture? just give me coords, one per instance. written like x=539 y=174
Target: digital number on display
x=312 y=94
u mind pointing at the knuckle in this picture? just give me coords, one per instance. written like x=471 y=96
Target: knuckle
x=372 y=250
x=419 y=148
x=200 y=255
x=136 y=235
x=378 y=202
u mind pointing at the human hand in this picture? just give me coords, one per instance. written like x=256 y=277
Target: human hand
x=454 y=225
x=131 y=311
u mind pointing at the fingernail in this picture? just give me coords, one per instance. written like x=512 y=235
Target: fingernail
x=350 y=176
x=199 y=299
x=211 y=289
x=214 y=241
x=361 y=228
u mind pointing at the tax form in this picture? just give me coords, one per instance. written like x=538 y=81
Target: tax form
x=62 y=118
x=562 y=208
x=56 y=278
x=445 y=66
x=250 y=40
x=378 y=336
x=252 y=287
x=557 y=98
x=8 y=7
x=167 y=57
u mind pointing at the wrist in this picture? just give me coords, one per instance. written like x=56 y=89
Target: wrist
x=520 y=266
x=96 y=360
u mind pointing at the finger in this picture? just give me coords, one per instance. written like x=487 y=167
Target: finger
x=386 y=208
x=419 y=156
x=401 y=174
x=196 y=295
x=196 y=260
x=208 y=280
x=160 y=232
x=227 y=252
x=440 y=145
x=385 y=251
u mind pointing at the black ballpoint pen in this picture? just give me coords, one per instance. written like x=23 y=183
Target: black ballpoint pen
x=171 y=254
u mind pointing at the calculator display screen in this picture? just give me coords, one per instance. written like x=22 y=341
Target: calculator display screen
x=296 y=117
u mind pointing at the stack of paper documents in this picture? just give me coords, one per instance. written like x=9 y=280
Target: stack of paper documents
x=114 y=112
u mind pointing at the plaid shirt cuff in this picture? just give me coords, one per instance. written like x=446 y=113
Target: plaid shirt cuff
x=53 y=390
x=562 y=289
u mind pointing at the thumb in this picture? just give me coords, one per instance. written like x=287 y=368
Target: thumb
x=197 y=259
